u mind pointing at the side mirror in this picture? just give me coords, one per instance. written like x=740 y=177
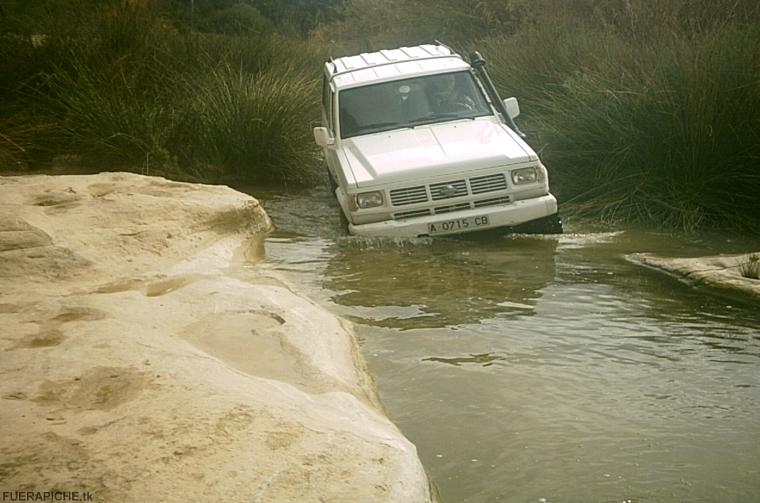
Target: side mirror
x=322 y=137
x=513 y=108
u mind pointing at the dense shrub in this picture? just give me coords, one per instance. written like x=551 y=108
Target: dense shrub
x=249 y=126
x=658 y=132
x=130 y=92
x=642 y=109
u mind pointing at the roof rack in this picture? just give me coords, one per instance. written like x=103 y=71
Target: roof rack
x=388 y=60
x=438 y=42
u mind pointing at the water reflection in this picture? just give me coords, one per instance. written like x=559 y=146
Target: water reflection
x=483 y=359
x=441 y=282
x=527 y=369
x=667 y=316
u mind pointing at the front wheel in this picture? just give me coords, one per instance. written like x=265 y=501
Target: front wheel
x=331 y=181
x=551 y=224
x=333 y=187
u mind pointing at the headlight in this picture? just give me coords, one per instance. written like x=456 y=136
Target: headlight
x=527 y=175
x=369 y=199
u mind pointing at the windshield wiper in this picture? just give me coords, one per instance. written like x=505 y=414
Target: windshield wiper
x=429 y=119
x=376 y=127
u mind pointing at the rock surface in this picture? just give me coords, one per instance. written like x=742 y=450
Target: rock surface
x=145 y=358
x=720 y=271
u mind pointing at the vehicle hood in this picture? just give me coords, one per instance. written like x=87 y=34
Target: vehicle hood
x=433 y=150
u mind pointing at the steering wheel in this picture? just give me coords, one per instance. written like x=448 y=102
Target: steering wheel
x=461 y=106
x=454 y=107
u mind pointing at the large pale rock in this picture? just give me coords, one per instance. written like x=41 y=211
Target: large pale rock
x=145 y=358
x=720 y=271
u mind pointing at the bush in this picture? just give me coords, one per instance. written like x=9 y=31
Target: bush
x=128 y=92
x=658 y=134
x=108 y=112
x=239 y=19
x=250 y=126
x=642 y=109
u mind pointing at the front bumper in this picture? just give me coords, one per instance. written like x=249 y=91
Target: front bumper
x=504 y=215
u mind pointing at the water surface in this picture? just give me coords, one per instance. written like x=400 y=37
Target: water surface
x=551 y=369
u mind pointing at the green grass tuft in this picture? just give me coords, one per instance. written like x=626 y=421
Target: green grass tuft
x=247 y=126
x=659 y=134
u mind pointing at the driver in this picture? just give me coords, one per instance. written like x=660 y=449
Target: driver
x=445 y=95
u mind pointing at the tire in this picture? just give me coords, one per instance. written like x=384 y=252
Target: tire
x=343 y=222
x=551 y=224
x=331 y=181
x=333 y=186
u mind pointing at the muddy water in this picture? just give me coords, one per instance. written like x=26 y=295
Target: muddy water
x=535 y=369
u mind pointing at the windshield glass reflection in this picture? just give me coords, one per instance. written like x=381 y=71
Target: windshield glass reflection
x=410 y=102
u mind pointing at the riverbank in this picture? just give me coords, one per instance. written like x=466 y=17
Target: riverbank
x=146 y=357
x=722 y=271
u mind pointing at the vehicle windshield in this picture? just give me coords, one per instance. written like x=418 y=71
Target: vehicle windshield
x=410 y=102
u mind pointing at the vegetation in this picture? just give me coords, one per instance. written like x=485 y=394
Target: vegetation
x=656 y=133
x=132 y=90
x=750 y=268
x=643 y=110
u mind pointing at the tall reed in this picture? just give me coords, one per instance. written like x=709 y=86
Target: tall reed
x=124 y=92
x=658 y=133
x=249 y=126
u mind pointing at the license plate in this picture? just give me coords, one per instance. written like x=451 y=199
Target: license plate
x=458 y=225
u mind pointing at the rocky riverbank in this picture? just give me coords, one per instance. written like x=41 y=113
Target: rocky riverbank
x=144 y=357
x=723 y=271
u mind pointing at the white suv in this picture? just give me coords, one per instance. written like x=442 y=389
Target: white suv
x=418 y=143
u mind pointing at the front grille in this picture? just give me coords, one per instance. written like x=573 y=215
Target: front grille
x=447 y=190
x=441 y=191
x=488 y=183
x=409 y=195
x=411 y=214
x=494 y=201
x=452 y=207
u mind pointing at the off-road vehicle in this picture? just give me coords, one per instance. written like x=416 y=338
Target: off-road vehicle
x=418 y=142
